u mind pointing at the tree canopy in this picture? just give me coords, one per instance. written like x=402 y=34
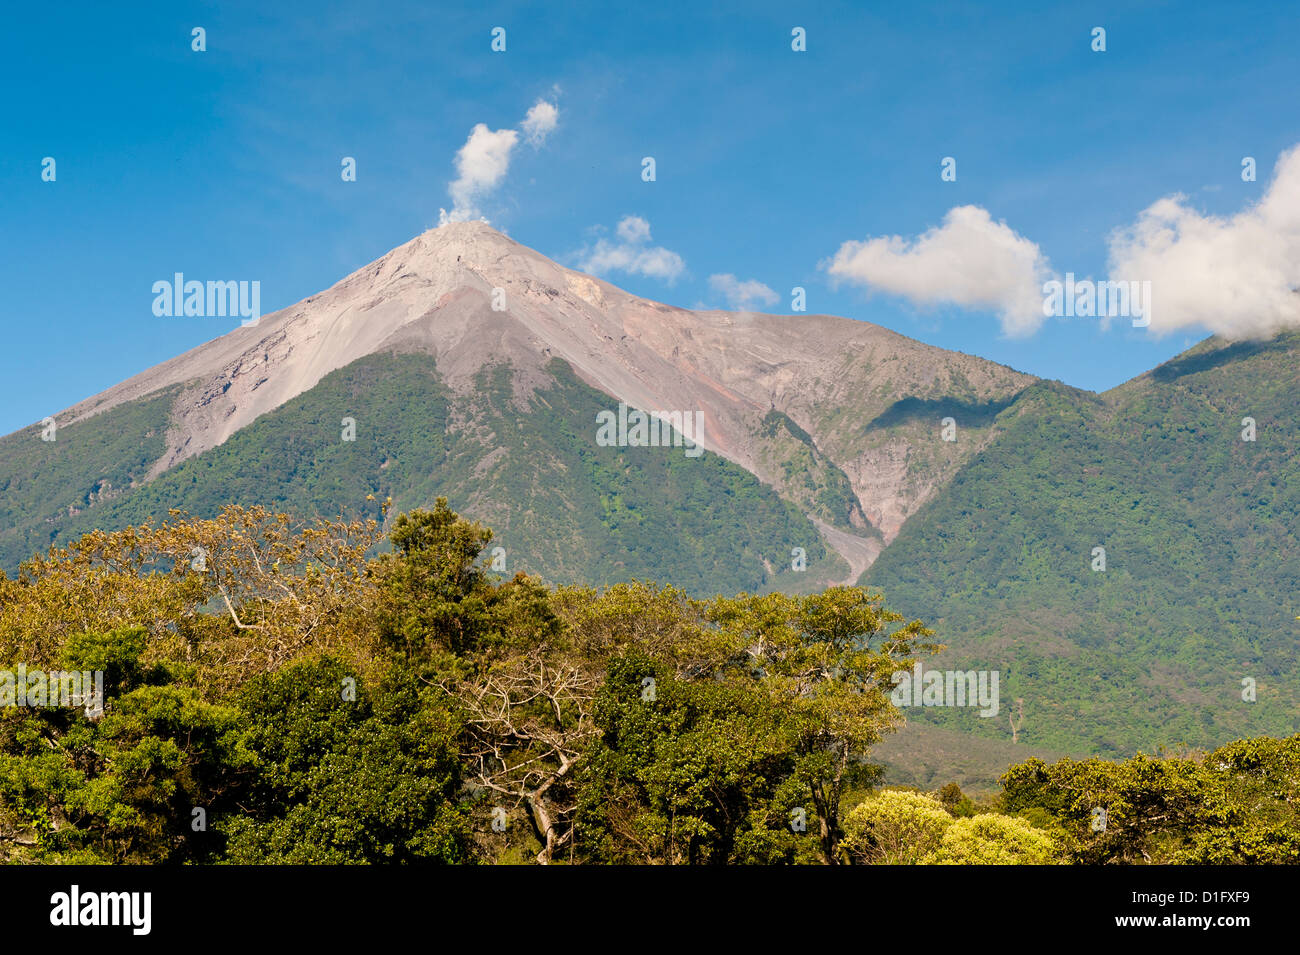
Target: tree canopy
x=285 y=692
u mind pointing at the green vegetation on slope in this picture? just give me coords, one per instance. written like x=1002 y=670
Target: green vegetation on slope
x=808 y=477
x=1202 y=558
x=564 y=508
x=46 y=485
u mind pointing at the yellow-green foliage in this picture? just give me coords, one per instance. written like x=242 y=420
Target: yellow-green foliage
x=992 y=839
x=896 y=827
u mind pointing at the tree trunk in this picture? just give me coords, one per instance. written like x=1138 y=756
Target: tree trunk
x=545 y=828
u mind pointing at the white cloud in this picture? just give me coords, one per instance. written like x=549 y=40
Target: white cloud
x=633 y=229
x=970 y=261
x=633 y=254
x=481 y=164
x=1235 y=276
x=484 y=160
x=540 y=121
x=742 y=295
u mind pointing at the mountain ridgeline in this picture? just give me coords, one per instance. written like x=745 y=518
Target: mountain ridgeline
x=1124 y=561
x=1128 y=561
x=817 y=431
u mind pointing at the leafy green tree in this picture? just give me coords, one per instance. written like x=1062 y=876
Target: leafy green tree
x=434 y=583
x=437 y=600
x=956 y=801
x=1262 y=778
x=348 y=773
x=1234 y=805
x=685 y=771
x=827 y=661
x=121 y=787
x=1132 y=811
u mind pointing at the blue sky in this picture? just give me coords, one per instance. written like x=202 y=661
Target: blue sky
x=225 y=164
